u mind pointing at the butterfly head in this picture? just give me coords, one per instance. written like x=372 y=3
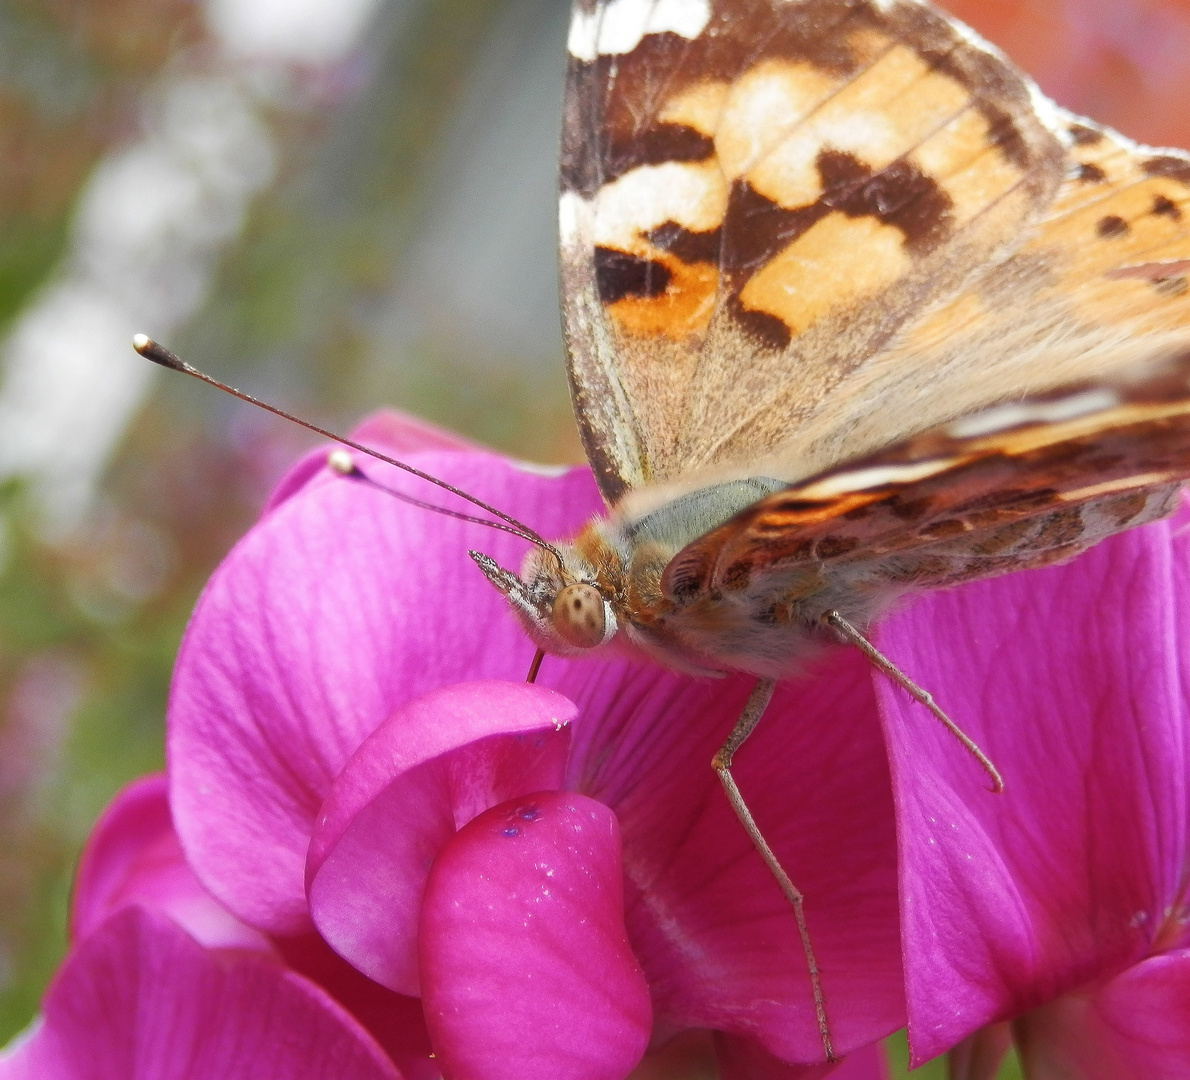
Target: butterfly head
x=557 y=598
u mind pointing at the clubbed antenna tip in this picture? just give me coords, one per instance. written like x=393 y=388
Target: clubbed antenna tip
x=159 y=354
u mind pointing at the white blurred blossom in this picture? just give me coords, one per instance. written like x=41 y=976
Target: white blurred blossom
x=150 y=223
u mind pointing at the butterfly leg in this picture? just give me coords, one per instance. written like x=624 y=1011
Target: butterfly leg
x=884 y=665
x=754 y=709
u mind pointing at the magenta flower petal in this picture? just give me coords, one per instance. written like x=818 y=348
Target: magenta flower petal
x=139 y=999
x=390 y=431
x=133 y=857
x=428 y=770
x=1071 y=679
x=708 y=922
x=395 y=1021
x=337 y=607
x=526 y=969
x=1137 y=1026
x=743 y=1059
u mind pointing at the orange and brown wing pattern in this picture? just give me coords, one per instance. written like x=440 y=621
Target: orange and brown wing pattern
x=1020 y=485
x=756 y=196
x=1098 y=287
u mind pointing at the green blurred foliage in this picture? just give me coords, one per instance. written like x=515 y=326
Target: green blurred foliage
x=69 y=77
x=88 y=633
x=82 y=682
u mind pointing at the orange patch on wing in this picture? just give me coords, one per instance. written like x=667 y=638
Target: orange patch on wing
x=1117 y=165
x=967 y=164
x=882 y=114
x=1107 y=230
x=698 y=107
x=778 y=519
x=838 y=263
x=684 y=310
x=1110 y=234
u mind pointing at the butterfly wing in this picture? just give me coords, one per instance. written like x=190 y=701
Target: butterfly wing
x=1097 y=288
x=1020 y=485
x=757 y=195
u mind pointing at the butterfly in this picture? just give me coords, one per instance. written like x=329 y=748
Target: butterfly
x=851 y=311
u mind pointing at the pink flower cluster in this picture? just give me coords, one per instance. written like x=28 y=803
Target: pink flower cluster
x=379 y=840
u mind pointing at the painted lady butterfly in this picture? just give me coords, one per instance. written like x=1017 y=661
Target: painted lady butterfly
x=852 y=310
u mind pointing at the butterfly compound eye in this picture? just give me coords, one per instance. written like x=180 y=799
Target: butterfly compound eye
x=579 y=618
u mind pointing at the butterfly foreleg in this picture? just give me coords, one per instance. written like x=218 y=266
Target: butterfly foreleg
x=754 y=709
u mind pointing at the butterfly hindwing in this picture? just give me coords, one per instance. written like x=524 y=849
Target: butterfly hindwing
x=1020 y=485
x=756 y=196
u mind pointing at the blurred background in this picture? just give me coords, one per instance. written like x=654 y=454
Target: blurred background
x=334 y=204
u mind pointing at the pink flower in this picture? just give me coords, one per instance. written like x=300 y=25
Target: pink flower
x=552 y=868
x=163 y=984
x=351 y=748
x=1063 y=902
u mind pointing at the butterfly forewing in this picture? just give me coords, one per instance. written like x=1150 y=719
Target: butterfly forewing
x=756 y=195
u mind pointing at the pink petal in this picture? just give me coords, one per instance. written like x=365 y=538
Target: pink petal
x=1137 y=1027
x=390 y=431
x=337 y=607
x=297 y=652
x=743 y=1059
x=1070 y=678
x=396 y=1022
x=32 y=1055
x=140 y=1000
x=429 y=769
x=713 y=932
x=133 y=857
x=526 y=968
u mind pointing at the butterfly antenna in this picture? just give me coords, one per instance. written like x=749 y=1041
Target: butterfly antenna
x=881 y=662
x=342 y=463
x=159 y=354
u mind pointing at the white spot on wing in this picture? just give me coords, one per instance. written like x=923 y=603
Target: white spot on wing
x=619 y=27
x=877 y=476
x=686 y=18
x=693 y=195
x=584 y=29
x=623 y=26
x=574 y=213
x=1045 y=412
